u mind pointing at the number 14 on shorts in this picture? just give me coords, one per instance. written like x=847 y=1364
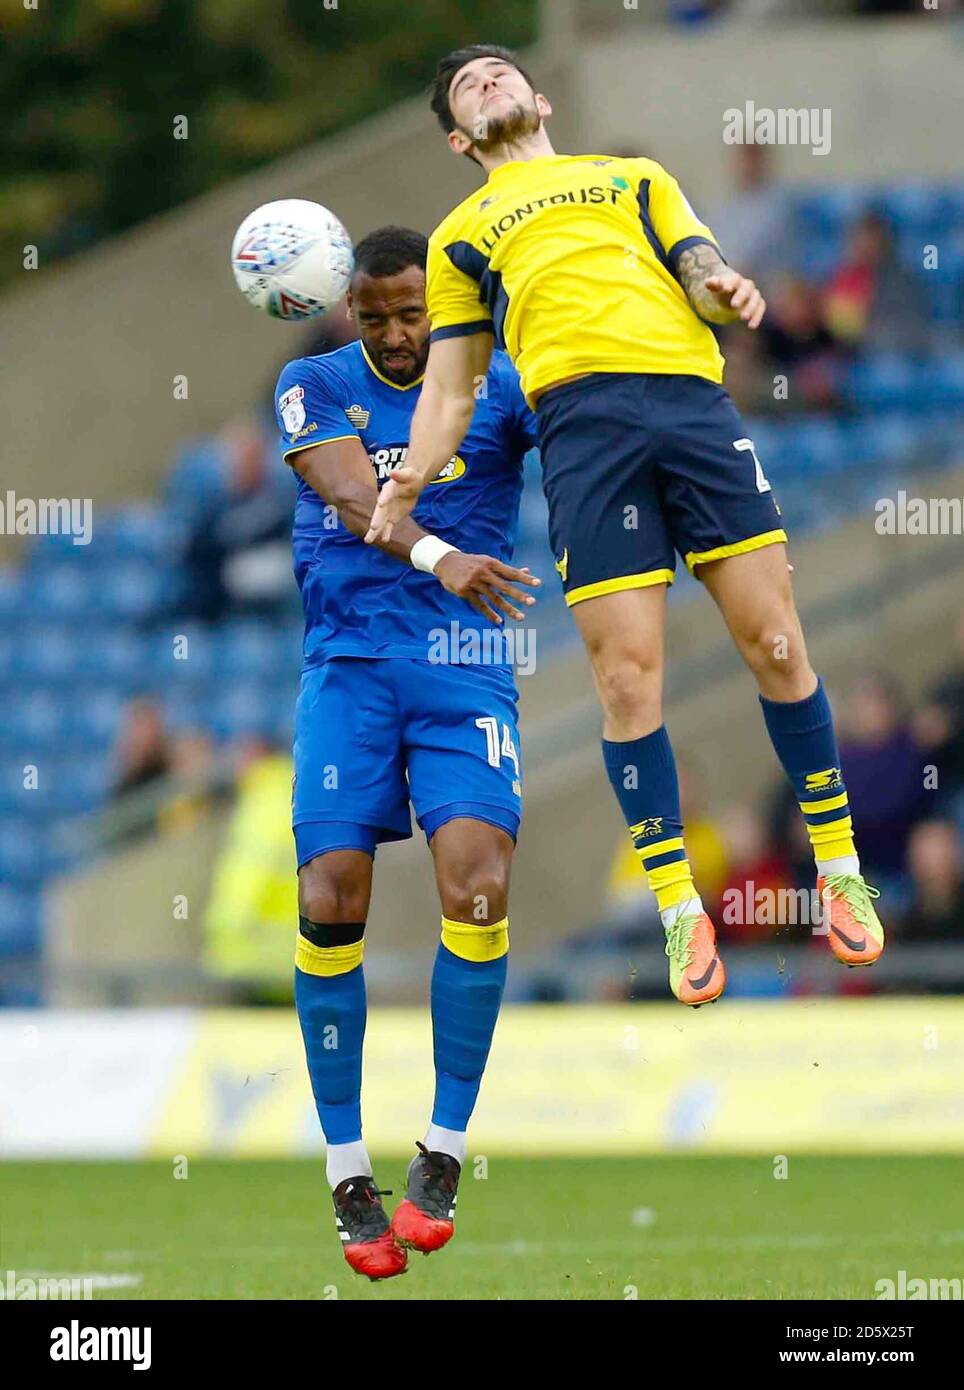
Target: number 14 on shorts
x=494 y=751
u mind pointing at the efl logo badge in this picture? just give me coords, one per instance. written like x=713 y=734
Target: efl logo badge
x=292 y=409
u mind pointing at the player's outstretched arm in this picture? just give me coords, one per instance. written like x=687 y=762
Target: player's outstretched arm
x=718 y=293
x=341 y=474
x=456 y=368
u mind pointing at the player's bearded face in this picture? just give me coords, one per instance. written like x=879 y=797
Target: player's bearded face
x=502 y=120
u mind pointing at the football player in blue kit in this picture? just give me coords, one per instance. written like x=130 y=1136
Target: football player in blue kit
x=396 y=707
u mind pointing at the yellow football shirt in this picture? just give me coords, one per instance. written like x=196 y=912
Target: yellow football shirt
x=570 y=261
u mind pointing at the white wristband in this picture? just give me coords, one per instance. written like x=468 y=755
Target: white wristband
x=427 y=552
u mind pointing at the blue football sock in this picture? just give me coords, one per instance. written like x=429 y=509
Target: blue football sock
x=466 y=997
x=332 y=1011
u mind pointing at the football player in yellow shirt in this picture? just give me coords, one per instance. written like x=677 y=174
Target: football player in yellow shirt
x=600 y=281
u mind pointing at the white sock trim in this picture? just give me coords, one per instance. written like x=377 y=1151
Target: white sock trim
x=846 y=864
x=438 y=1139
x=669 y=916
x=347 y=1161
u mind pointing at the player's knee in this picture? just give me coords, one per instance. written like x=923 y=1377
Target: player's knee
x=630 y=689
x=326 y=895
x=776 y=650
x=474 y=891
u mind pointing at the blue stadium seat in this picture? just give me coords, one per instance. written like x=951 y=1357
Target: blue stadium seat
x=93 y=721
x=246 y=650
x=140 y=530
x=20 y=921
x=826 y=212
x=134 y=589
x=181 y=656
x=890 y=381
x=927 y=209
x=113 y=656
x=33 y=718
x=49 y=653
x=64 y=590
x=817 y=444
x=23 y=858
x=11 y=595
x=242 y=709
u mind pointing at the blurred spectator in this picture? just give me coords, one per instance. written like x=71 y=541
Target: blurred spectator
x=146 y=754
x=939 y=725
x=253 y=908
x=754 y=227
x=871 y=301
x=142 y=753
x=788 y=829
x=749 y=375
x=798 y=344
x=750 y=906
x=936 y=910
x=235 y=503
x=883 y=769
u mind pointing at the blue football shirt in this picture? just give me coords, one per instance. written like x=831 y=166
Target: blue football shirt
x=358 y=601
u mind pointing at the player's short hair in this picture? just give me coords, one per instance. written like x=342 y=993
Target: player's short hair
x=390 y=250
x=450 y=65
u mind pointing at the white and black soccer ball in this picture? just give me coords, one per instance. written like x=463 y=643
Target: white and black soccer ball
x=292 y=259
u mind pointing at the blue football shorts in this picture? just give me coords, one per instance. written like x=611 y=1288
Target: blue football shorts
x=639 y=467
x=374 y=736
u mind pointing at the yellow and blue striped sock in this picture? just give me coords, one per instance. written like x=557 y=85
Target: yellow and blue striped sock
x=642 y=773
x=803 y=736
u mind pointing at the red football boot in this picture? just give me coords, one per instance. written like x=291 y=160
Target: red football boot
x=425 y=1220
x=365 y=1232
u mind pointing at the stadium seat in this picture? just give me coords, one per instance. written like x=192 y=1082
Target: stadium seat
x=246 y=650
x=23 y=859
x=20 y=921
x=242 y=710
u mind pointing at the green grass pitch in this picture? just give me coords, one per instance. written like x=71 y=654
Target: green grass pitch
x=675 y=1227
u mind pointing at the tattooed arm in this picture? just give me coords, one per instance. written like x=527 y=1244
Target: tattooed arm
x=717 y=293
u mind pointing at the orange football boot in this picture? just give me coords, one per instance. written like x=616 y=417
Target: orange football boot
x=696 y=973
x=855 y=932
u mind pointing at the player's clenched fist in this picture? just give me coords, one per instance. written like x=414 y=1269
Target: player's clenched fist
x=395 y=501
x=737 y=293
x=486 y=583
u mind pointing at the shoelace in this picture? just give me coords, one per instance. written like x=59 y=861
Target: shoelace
x=370 y=1193
x=856 y=893
x=679 y=939
x=434 y=1167
x=359 y=1209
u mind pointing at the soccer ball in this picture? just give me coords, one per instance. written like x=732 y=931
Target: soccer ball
x=292 y=259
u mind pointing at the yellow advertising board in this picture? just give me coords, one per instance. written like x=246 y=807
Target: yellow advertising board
x=742 y=1076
